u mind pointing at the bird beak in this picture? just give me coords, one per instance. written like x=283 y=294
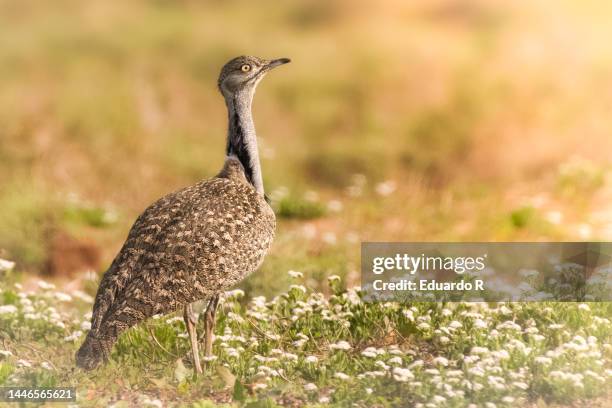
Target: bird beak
x=277 y=62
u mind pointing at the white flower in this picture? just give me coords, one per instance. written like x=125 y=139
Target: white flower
x=24 y=363
x=6 y=309
x=402 y=374
x=62 y=297
x=334 y=205
x=395 y=360
x=501 y=354
x=542 y=360
x=480 y=324
x=5 y=353
x=369 y=391
x=6 y=265
x=311 y=359
x=45 y=285
x=409 y=314
x=416 y=363
x=79 y=294
x=260 y=386
x=234 y=294
x=310 y=387
x=386 y=188
x=86 y=325
x=333 y=278
x=369 y=352
x=479 y=350
x=584 y=306
x=298 y=287
x=520 y=385
x=295 y=274
x=209 y=358
x=152 y=402
x=440 y=360
x=324 y=400
x=74 y=336
x=341 y=376
x=455 y=324
x=341 y=345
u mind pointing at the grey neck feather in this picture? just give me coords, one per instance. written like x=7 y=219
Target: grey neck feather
x=241 y=137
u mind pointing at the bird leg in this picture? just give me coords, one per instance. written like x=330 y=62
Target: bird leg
x=190 y=323
x=209 y=324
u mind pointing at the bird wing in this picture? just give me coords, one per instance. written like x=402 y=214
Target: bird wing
x=184 y=245
x=145 y=231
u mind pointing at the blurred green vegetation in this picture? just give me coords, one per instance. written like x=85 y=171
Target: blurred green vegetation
x=444 y=120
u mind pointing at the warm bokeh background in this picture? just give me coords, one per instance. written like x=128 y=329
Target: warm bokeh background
x=442 y=120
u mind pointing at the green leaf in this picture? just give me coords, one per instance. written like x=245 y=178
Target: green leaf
x=240 y=393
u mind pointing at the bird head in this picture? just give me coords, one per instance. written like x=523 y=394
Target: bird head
x=242 y=74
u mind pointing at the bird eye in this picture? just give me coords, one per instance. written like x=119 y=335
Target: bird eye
x=245 y=68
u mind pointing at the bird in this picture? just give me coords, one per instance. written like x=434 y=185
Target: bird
x=194 y=243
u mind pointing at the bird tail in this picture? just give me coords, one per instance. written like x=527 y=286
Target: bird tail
x=94 y=351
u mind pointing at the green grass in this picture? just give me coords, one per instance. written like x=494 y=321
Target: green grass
x=316 y=350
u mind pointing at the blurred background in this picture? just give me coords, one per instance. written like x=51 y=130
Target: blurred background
x=443 y=120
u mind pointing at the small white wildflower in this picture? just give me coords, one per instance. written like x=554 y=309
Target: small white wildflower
x=369 y=391
x=234 y=294
x=6 y=309
x=74 y=336
x=329 y=238
x=333 y=278
x=62 y=297
x=260 y=386
x=455 y=324
x=386 y=188
x=369 y=353
x=423 y=326
x=584 y=306
x=24 y=363
x=45 y=285
x=295 y=274
x=311 y=359
x=402 y=374
x=298 y=287
x=5 y=353
x=86 y=325
x=324 y=400
x=341 y=345
x=416 y=363
x=520 y=385
x=46 y=365
x=310 y=387
x=334 y=205
x=444 y=340
x=395 y=360
x=6 y=265
x=341 y=376
x=440 y=360
x=543 y=360
x=79 y=294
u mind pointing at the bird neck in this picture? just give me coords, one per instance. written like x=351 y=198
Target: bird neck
x=241 y=138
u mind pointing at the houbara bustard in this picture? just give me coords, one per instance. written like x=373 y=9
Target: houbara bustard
x=196 y=242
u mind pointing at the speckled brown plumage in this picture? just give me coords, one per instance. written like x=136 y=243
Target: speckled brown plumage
x=189 y=245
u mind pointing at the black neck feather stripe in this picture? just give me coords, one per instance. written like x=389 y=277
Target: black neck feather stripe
x=236 y=146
